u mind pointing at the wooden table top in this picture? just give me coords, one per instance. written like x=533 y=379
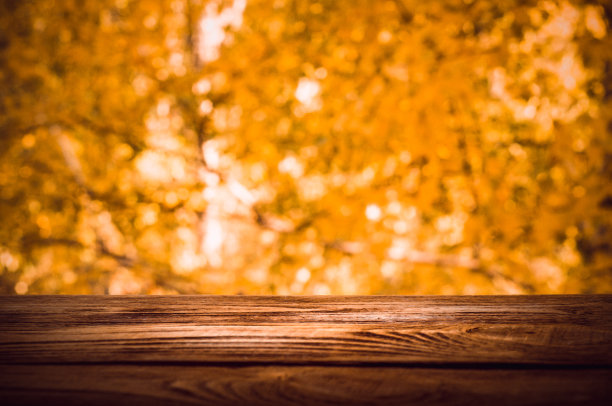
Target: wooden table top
x=181 y=350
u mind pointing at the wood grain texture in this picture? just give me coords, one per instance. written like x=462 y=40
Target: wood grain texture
x=539 y=330
x=271 y=385
x=234 y=350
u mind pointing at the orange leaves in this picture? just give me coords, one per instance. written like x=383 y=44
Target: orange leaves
x=329 y=147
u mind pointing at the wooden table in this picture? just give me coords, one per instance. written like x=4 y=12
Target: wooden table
x=222 y=350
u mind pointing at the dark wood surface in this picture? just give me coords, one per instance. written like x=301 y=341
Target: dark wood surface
x=299 y=385
x=306 y=350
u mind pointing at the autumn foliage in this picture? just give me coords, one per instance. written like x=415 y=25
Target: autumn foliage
x=302 y=147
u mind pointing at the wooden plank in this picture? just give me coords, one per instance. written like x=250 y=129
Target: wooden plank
x=271 y=385
x=406 y=331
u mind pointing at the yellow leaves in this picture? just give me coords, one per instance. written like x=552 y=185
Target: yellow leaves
x=157 y=167
x=124 y=282
x=28 y=141
x=594 y=21
x=122 y=152
x=44 y=225
x=147 y=215
x=314 y=148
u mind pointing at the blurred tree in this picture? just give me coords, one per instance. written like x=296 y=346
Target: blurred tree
x=309 y=147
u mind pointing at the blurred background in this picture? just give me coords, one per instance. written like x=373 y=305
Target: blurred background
x=305 y=147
